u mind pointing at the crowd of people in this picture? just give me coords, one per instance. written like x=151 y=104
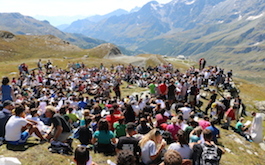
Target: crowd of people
x=57 y=104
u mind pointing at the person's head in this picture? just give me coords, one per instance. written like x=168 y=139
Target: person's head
x=86 y=113
x=180 y=118
x=241 y=119
x=115 y=106
x=181 y=137
x=111 y=111
x=131 y=128
x=34 y=112
x=153 y=135
x=172 y=157
x=253 y=113
x=207 y=134
x=9 y=105
x=198 y=131
x=50 y=111
x=126 y=157
x=174 y=120
x=206 y=118
x=81 y=155
x=214 y=105
x=143 y=121
x=19 y=110
x=5 y=80
x=70 y=109
x=103 y=125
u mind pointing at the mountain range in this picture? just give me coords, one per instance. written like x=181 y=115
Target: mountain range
x=229 y=33
x=216 y=29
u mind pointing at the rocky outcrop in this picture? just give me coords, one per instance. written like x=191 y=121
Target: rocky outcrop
x=6 y=35
x=113 y=51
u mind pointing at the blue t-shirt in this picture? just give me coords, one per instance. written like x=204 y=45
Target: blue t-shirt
x=103 y=137
x=6 y=92
x=215 y=132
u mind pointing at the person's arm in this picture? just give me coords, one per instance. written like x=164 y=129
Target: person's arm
x=13 y=94
x=94 y=140
x=59 y=130
x=113 y=140
x=162 y=146
x=32 y=121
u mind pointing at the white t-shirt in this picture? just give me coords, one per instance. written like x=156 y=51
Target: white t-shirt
x=184 y=151
x=13 y=128
x=136 y=109
x=186 y=112
x=148 y=150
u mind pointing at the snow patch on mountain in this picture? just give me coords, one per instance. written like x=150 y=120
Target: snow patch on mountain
x=190 y=2
x=251 y=18
x=156 y=6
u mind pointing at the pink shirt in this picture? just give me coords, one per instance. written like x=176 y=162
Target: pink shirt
x=173 y=129
x=204 y=124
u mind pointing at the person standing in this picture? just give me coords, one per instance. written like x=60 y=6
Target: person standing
x=163 y=90
x=39 y=65
x=152 y=88
x=256 y=130
x=212 y=100
x=7 y=91
x=171 y=95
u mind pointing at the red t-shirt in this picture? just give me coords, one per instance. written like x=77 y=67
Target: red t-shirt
x=112 y=119
x=162 y=88
x=231 y=113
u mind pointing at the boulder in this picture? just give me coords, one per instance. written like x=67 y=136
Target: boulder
x=6 y=35
x=260 y=105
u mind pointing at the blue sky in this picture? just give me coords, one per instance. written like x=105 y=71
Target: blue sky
x=69 y=7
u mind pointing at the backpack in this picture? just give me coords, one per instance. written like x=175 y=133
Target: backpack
x=209 y=155
x=60 y=148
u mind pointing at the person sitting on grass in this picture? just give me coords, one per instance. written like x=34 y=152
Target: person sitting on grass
x=61 y=129
x=103 y=138
x=85 y=133
x=18 y=129
x=241 y=129
x=82 y=157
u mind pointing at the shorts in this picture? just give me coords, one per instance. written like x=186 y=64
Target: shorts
x=23 y=138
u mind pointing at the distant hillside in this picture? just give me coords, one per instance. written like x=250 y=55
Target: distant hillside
x=20 y=24
x=16 y=47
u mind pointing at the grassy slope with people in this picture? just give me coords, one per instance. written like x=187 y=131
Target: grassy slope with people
x=39 y=154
